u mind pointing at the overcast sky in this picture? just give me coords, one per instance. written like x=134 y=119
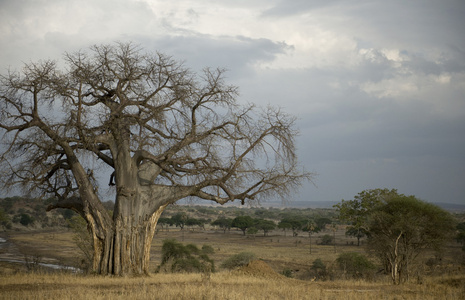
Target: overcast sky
x=378 y=86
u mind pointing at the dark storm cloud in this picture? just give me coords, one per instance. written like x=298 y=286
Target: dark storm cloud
x=378 y=86
x=237 y=54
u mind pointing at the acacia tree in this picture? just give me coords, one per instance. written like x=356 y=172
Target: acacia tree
x=402 y=228
x=223 y=223
x=311 y=228
x=358 y=210
x=159 y=132
x=242 y=222
x=265 y=225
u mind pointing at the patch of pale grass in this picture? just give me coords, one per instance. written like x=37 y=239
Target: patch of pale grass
x=223 y=285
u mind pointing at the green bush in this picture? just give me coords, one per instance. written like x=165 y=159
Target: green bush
x=188 y=264
x=318 y=264
x=238 y=260
x=26 y=219
x=326 y=239
x=355 y=265
x=319 y=269
x=287 y=272
x=172 y=249
x=192 y=249
x=186 y=258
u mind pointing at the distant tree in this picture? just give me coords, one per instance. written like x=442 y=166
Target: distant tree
x=295 y=223
x=203 y=221
x=357 y=232
x=284 y=225
x=357 y=211
x=402 y=228
x=265 y=225
x=179 y=219
x=164 y=222
x=223 y=223
x=252 y=230
x=191 y=222
x=322 y=222
x=265 y=213
x=242 y=222
x=311 y=228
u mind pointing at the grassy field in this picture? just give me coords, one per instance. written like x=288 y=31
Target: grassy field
x=222 y=285
x=278 y=250
x=259 y=280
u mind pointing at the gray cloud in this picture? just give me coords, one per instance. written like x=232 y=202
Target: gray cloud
x=378 y=86
x=285 y=8
x=237 y=54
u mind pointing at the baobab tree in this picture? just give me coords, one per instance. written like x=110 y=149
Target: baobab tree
x=159 y=132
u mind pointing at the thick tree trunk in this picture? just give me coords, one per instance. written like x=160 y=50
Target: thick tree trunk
x=125 y=249
x=122 y=244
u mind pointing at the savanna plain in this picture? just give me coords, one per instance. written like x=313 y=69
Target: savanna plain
x=282 y=269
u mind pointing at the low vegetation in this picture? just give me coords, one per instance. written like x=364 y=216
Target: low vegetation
x=238 y=260
x=217 y=261
x=177 y=257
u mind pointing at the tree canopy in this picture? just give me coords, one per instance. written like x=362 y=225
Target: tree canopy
x=402 y=228
x=242 y=222
x=357 y=211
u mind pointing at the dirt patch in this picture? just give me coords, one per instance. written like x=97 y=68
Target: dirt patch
x=258 y=268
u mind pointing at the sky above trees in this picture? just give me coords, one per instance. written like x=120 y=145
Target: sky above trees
x=378 y=86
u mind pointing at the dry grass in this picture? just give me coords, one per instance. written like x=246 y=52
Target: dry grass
x=278 y=250
x=223 y=285
x=254 y=282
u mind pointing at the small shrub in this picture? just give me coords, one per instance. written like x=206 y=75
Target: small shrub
x=318 y=264
x=172 y=249
x=287 y=273
x=326 y=239
x=355 y=265
x=238 y=260
x=188 y=264
x=319 y=269
x=26 y=219
x=192 y=249
x=186 y=258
